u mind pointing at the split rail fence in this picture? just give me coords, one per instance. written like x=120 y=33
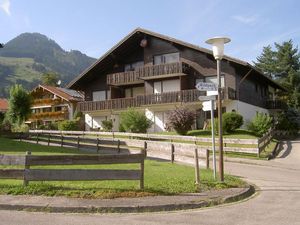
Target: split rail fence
x=31 y=174
x=253 y=146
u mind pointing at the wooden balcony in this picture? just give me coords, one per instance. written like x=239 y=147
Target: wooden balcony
x=59 y=115
x=147 y=72
x=276 y=104
x=185 y=96
x=46 y=101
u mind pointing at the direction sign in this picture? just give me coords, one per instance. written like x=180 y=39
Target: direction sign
x=207 y=98
x=204 y=86
x=207 y=106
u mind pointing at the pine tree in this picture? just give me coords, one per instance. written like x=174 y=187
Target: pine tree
x=266 y=61
x=283 y=64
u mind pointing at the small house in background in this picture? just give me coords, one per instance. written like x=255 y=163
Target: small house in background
x=53 y=104
x=3 y=105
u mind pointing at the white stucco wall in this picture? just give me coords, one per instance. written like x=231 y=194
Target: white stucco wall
x=93 y=121
x=246 y=110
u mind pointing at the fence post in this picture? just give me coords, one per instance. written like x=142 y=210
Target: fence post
x=207 y=159
x=119 y=150
x=49 y=136
x=197 y=175
x=78 y=142
x=145 y=148
x=37 y=138
x=27 y=167
x=98 y=144
x=172 y=153
x=142 y=174
x=258 y=148
x=62 y=140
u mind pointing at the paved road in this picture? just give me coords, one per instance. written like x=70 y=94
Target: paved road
x=278 y=201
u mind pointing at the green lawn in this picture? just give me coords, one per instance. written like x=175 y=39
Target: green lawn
x=160 y=178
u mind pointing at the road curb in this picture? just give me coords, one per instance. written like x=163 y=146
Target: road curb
x=246 y=193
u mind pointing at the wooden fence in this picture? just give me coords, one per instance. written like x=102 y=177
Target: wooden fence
x=29 y=174
x=180 y=152
x=254 y=146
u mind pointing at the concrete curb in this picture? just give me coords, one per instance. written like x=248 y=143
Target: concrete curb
x=247 y=192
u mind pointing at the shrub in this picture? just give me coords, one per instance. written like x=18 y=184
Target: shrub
x=134 y=121
x=77 y=115
x=181 y=120
x=107 y=125
x=231 y=121
x=260 y=124
x=20 y=128
x=68 y=125
x=285 y=121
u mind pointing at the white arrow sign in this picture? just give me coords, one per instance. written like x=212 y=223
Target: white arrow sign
x=207 y=106
x=203 y=86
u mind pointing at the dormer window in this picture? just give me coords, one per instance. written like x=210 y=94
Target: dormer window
x=166 y=58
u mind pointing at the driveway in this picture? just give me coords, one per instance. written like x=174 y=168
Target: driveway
x=277 y=202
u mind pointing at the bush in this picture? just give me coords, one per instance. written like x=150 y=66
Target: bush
x=134 y=121
x=181 y=120
x=68 y=125
x=285 y=121
x=231 y=121
x=260 y=124
x=77 y=115
x=107 y=125
x=24 y=128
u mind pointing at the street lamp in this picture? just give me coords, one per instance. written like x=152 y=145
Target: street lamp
x=218 y=52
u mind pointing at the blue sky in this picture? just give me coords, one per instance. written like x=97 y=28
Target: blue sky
x=94 y=26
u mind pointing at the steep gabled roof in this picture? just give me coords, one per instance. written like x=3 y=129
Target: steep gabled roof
x=173 y=40
x=67 y=94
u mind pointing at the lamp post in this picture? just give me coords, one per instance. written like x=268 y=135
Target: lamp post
x=218 y=52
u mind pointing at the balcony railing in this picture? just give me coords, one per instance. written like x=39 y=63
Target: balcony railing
x=152 y=99
x=276 y=104
x=50 y=115
x=46 y=101
x=145 y=72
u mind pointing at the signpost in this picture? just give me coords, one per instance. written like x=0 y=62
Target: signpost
x=209 y=105
x=204 y=86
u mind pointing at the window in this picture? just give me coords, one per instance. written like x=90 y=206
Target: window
x=166 y=58
x=133 y=66
x=99 y=95
x=166 y=86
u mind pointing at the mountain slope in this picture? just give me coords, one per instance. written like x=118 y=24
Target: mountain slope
x=25 y=58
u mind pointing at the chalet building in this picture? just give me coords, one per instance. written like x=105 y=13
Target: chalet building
x=155 y=73
x=53 y=104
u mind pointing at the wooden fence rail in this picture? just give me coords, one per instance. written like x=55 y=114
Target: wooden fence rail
x=254 y=146
x=29 y=174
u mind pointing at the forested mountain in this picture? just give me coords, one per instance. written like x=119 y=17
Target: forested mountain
x=25 y=58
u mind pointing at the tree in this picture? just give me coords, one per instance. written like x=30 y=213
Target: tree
x=266 y=61
x=18 y=105
x=50 y=78
x=282 y=64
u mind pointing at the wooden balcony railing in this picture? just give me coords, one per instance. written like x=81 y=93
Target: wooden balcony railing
x=145 y=72
x=123 y=103
x=276 y=104
x=50 y=115
x=46 y=101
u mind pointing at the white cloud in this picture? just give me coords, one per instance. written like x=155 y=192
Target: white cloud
x=249 y=20
x=5 y=6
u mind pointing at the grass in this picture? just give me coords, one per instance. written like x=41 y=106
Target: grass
x=239 y=133
x=160 y=178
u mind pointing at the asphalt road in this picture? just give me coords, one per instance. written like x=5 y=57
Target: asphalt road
x=277 y=202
